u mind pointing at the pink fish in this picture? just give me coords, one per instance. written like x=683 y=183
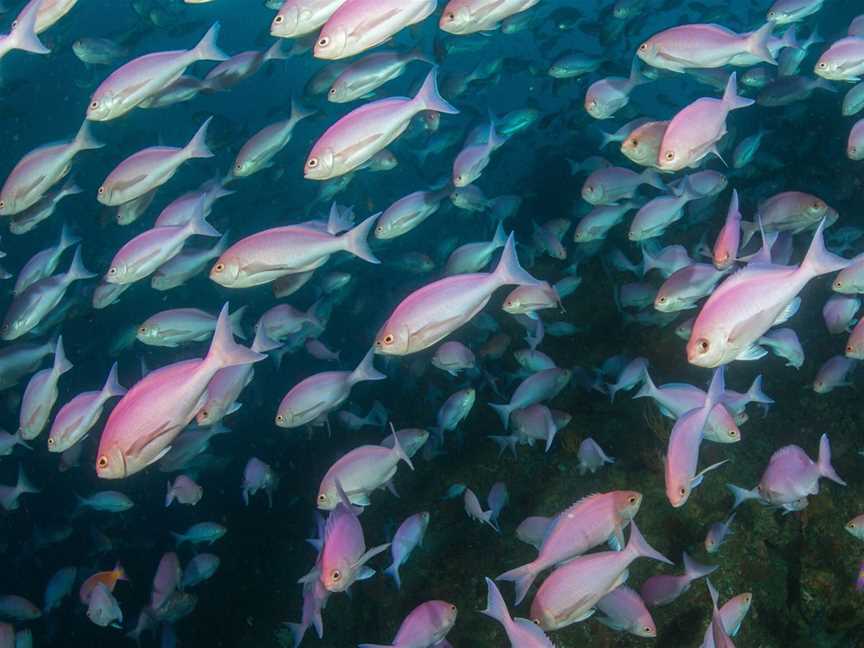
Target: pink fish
x=662 y=589
x=166 y=580
x=453 y=357
x=431 y=313
x=148 y=169
x=704 y=46
x=300 y=17
x=147 y=75
x=149 y=417
x=273 y=253
x=40 y=169
x=23 y=36
x=323 y=392
x=371 y=72
x=694 y=132
x=144 y=254
x=474 y=158
x=260 y=149
x=587 y=524
x=520 y=632
x=731 y=616
x=358 y=136
x=571 y=592
x=717 y=533
x=625 y=610
x=475 y=511
x=725 y=251
x=591 y=457
x=607 y=96
x=360 y=472
x=747 y=304
x=408 y=537
x=258 y=475
x=241 y=66
x=470 y=16
x=425 y=625
x=790 y=477
x=358 y=25
x=184 y=491
x=538 y=387
x=41 y=395
x=9 y=495
x=183 y=209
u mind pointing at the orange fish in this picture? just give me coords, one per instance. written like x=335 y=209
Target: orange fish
x=107 y=578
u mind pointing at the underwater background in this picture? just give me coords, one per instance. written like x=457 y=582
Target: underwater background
x=801 y=567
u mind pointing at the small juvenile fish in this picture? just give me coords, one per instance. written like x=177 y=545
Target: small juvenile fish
x=591 y=457
x=834 y=373
x=199 y=569
x=663 y=589
x=607 y=96
x=258 y=475
x=839 y=313
x=40 y=395
x=408 y=537
x=184 y=491
x=784 y=343
x=625 y=610
x=717 y=533
x=103 y=609
x=474 y=511
x=200 y=533
x=453 y=357
x=109 y=501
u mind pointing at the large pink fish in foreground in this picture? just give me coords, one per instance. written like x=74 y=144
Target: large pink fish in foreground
x=471 y=16
x=300 y=17
x=358 y=25
x=590 y=522
x=146 y=76
x=358 y=136
x=703 y=46
x=433 y=312
x=572 y=591
x=747 y=304
x=149 y=417
x=695 y=131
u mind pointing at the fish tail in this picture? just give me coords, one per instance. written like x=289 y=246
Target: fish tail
x=496 y=608
x=24 y=485
x=24 y=37
x=21 y=442
x=505 y=442
x=366 y=370
x=652 y=177
x=263 y=343
x=731 y=98
x=84 y=140
x=741 y=495
x=819 y=260
x=61 y=362
x=639 y=545
x=298 y=631
x=67 y=238
x=393 y=572
x=299 y=112
x=276 y=53
x=824 y=462
x=716 y=389
x=694 y=570
x=207 y=49
x=428 y=98
x=356 y=240
x=121 y=573
x=755 y=393
x=648 y=388
x=197 y=146
x=77 y=269
x=236 y=319
x=112 y=386
x=500 y=238
x=636 y=77
x=224 y=352
x=509 y=271
x=757 y=43
x=198 y=223
x=503 y=411
x=397 y=447
x=522 y=578
x=169 y=496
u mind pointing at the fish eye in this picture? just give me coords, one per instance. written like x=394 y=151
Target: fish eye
x=817 y=204
x=204 y=414
x=682 y=491
x=219 y=267
x=2 y=204
x=332 y=91
x=280 y=419
x=635 y=141
x=279 y=19
x=101 y=190
x=379 y=230
x=50 y=442
x=822 y=66
x=102 y=462
x=336 y=575
x=733 y=433
x=848 y=526
x=838 y=284
x=312 y=163
x=593 y=103
x=536 y=621
x=451 y=16
x=669 y=155
x=322 y=497
x=703 y=345
x=849 y=348
x=662 y=300
x=648 y=630
x=323 y=41
x=142 y=330
x=632 y=499
x=772 y=14
x=112 y=271
x=94 y=105
x=238 y=166
x=643 y=47
x=388 y=339
x=452 y=608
